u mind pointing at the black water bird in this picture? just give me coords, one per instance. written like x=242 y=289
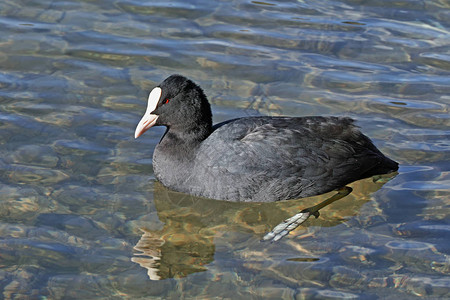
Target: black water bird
x=256 y=159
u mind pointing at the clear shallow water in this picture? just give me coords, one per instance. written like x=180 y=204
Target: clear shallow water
x=81 y=215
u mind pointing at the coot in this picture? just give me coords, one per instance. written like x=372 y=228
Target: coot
x=259 y=159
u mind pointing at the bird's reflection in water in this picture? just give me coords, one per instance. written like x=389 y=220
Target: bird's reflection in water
x=185 y=244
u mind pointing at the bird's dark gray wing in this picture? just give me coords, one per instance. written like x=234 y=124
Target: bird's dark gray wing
x=277 y=156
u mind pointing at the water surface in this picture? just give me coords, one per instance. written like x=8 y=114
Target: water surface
x=82 y=217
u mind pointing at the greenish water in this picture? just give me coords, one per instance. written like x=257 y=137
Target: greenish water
x=82 y=217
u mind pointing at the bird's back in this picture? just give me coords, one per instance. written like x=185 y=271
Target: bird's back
x=279 y=158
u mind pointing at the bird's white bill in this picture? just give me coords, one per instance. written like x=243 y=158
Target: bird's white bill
x=148 y=120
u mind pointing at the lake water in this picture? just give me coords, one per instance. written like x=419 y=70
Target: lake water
x=82 y=217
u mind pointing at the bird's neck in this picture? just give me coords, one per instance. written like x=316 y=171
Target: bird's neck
x=174 y=156
x=185 y=138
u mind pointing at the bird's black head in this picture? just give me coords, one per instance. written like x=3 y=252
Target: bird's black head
x=179 y=104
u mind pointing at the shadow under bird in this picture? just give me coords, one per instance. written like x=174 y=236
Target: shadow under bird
x=256 y=159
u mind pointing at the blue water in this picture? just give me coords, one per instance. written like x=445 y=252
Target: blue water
x=82 y=217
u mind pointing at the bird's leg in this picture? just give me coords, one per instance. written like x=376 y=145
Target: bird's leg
x=293 y=222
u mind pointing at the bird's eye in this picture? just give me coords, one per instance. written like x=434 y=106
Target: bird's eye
x=165 y=101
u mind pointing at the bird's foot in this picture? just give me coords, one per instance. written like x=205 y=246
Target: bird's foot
x=293 y=222
x=288 y=225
